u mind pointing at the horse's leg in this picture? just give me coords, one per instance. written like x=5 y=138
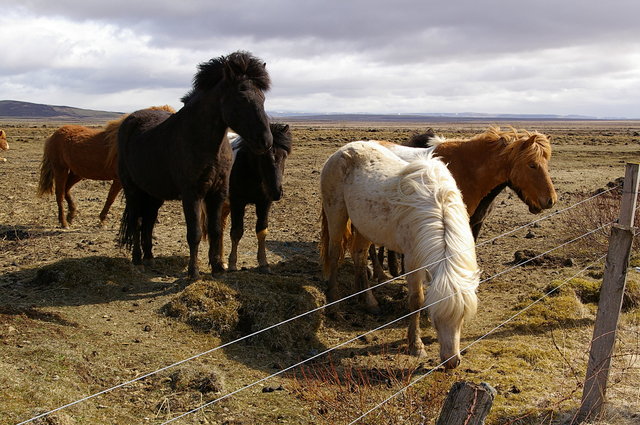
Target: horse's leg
x=392 y=261
x=359 y=250
x=237 y=230
x=262 y=229
x=214 y=201
x=149 y=216
x=72 y=179
x=335 y=221
x=192 y=208
x=115 y=188
x=378 y=271
x=416 y=301
x=60 y=180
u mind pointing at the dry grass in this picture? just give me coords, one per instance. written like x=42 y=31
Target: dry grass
x=76 y=318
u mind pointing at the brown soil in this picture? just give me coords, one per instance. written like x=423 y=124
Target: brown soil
x=76 y=317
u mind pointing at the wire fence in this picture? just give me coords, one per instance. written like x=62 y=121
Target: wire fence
x=281 y=371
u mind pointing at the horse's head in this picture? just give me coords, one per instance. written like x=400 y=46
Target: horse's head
x=3 y=141
x=529 y=156
x=421 y=140
x=271 y=164
x=242 y=101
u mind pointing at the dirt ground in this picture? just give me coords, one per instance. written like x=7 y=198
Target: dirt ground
x=76 y=318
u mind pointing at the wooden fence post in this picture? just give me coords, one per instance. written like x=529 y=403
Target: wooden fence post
x=467 y=404
x=611 y=293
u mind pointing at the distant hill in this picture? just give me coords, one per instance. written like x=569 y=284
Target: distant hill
x=434 y=117
x=17 y=110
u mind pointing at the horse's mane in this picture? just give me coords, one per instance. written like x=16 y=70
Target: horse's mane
x=511 y=141
x=422 y=140
x=281 y=137
x=429 y=198
x=111 y=133
x=238 y=66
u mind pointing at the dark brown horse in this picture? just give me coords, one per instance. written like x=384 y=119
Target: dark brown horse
x=484 y=165
x=186 y=155
x=256 y=179
x=73 y=153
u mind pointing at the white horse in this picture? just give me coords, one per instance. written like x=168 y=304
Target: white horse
x=411 y=207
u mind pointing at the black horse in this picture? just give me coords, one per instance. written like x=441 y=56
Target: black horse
x=256 y=179
x=186 y=155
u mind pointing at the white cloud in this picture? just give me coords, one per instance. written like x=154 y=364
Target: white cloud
x=355 y=56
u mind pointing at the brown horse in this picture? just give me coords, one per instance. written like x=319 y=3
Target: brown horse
x=487 y=163
x=3 y=144
x=75 y=152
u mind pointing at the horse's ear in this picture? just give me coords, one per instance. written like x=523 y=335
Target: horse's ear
x=286 y=128
x=2 y=133
x=529 y=142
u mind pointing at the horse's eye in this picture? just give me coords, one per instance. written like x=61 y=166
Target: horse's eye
x=533 y=165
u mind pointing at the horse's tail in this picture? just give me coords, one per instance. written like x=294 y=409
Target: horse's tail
x=127 y=228
x=446 y=242
x=324 y=243
x=45 y=184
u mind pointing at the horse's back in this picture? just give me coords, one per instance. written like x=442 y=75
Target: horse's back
x=361 y=177
x=81 y=149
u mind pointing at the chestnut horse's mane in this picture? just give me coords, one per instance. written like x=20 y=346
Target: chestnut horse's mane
x=111 y=133
x=512 y=141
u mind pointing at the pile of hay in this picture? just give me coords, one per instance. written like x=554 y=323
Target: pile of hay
x=245 y=302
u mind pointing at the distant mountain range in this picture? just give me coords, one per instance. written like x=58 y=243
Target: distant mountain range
x=17 y=110
x=427 y=117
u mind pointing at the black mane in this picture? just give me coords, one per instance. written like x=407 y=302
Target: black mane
x=281 y=137
x=237 y=66
x=421 y=140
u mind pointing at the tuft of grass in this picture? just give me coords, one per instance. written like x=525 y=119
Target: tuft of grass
x=208 y=306
x=565 y=308
x=341 y=392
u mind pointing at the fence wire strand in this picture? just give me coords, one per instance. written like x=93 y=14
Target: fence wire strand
x=195 y=356
x=495 y=328
x=395 y=321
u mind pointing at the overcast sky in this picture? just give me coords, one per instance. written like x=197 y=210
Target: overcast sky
x=397 y=56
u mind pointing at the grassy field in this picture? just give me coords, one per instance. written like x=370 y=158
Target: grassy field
x=77 y=318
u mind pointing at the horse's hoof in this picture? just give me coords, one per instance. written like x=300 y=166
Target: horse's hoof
x=218 y=268
x=374 y=310
x=418 y=352
x=264 y=269
x=336 y=316
x=382 y=277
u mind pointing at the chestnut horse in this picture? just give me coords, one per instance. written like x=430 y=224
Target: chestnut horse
x=186 y=155
x=75 y=152
x=256 y=179
x=411 y=207
x=484 y=165
x=4 y=146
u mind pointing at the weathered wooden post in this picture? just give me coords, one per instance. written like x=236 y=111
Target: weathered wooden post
x=467 y=404
x=611 y=293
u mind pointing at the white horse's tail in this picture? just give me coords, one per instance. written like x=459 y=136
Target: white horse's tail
x=433 y=204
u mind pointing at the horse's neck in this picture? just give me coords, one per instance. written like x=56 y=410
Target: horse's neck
x=477 y=167
x=211 y=129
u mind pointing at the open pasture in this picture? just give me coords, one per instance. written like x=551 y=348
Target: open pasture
x=77 y=318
